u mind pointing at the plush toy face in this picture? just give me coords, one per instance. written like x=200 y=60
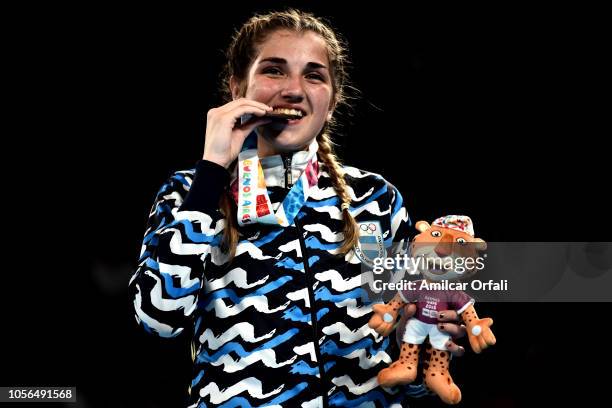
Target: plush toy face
x=442 y=249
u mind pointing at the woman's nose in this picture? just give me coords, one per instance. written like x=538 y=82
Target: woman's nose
x=292 y=89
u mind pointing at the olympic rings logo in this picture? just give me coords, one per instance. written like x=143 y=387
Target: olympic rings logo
x=368 y=228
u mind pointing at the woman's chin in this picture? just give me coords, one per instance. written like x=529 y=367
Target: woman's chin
x=284 y=141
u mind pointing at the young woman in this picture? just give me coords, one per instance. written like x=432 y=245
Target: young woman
x=256 y=253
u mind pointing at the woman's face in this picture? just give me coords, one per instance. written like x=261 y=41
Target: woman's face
x=291 y=71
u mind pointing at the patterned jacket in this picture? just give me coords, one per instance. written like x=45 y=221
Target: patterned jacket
x=285 y=323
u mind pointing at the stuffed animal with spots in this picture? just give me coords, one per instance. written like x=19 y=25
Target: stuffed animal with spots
x=439 y=246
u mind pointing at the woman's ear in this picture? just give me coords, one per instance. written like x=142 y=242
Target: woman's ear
x=330 y=112
x=234 y=87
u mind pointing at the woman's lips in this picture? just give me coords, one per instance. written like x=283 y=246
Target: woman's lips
x=285 y=114
x=278 y=116
x=285 y=117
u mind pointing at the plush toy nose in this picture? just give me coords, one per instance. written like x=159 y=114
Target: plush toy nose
x=445 y=246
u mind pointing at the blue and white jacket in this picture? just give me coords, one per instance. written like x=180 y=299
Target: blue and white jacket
x=285 y=323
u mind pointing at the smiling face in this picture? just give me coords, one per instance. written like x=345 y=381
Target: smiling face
x=290 y=71
x=445 y=251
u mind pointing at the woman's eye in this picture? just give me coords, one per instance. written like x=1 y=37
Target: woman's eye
x=316 y=76
x=461 y=241
x=436 y=234
x=273 y=71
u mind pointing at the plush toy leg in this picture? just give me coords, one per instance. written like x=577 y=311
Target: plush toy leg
x=438 y=378
x=404 y=370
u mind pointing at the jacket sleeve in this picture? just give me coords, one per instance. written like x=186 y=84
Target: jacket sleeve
x=184 y=225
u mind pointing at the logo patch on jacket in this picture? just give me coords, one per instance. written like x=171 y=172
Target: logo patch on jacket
x=371 y=243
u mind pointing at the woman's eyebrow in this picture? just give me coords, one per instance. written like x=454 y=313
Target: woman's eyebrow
x=277 y=60
x=315 y=65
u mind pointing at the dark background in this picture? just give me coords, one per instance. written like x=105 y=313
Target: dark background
x=496 y=112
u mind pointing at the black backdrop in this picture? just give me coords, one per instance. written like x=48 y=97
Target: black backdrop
x=491 y=111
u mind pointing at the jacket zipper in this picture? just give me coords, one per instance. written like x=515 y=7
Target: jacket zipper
x=309 y=283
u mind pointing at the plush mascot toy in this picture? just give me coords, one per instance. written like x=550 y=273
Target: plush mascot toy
x=440 y=252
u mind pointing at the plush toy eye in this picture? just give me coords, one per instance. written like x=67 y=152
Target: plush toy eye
x=461 y=241
x=436 y=234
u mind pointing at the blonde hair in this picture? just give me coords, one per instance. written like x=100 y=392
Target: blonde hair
x=240 y=54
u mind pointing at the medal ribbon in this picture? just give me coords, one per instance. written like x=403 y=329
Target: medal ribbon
x=251 y=193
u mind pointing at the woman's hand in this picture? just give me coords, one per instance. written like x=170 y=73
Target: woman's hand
x=478 y=330
x=450 y=324
x=224 y=132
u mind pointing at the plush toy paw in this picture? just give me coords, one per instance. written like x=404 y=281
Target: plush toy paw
x=480 y=334
x=443 y=386
x=404 y=370
x=397 y=373
x=383 y=319
x=438 y=378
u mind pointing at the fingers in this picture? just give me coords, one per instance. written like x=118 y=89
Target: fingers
x=382 y=328
x=251 y=124
x=455 y=330
x=480 y=339
x=475 y=344
x=375 y=321
x=233 y=111
x=379 y=325
x=380 y=308
x=482 y=343
x=243 y=102
x=448 y=316
x=450 y=325
x=248 y=112
x=455 y=349
x=410 y=310
x=245 y=112
x=486 y=338
x=489 y=337
x=385 y=329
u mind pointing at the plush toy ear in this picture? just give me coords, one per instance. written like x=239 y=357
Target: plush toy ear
x=480 y=244
x=422 y=226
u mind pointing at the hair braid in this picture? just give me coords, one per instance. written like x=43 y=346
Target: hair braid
x=230 y=232
x=329 y=159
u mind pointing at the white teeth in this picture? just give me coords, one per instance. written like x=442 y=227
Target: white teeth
x=285 y=111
